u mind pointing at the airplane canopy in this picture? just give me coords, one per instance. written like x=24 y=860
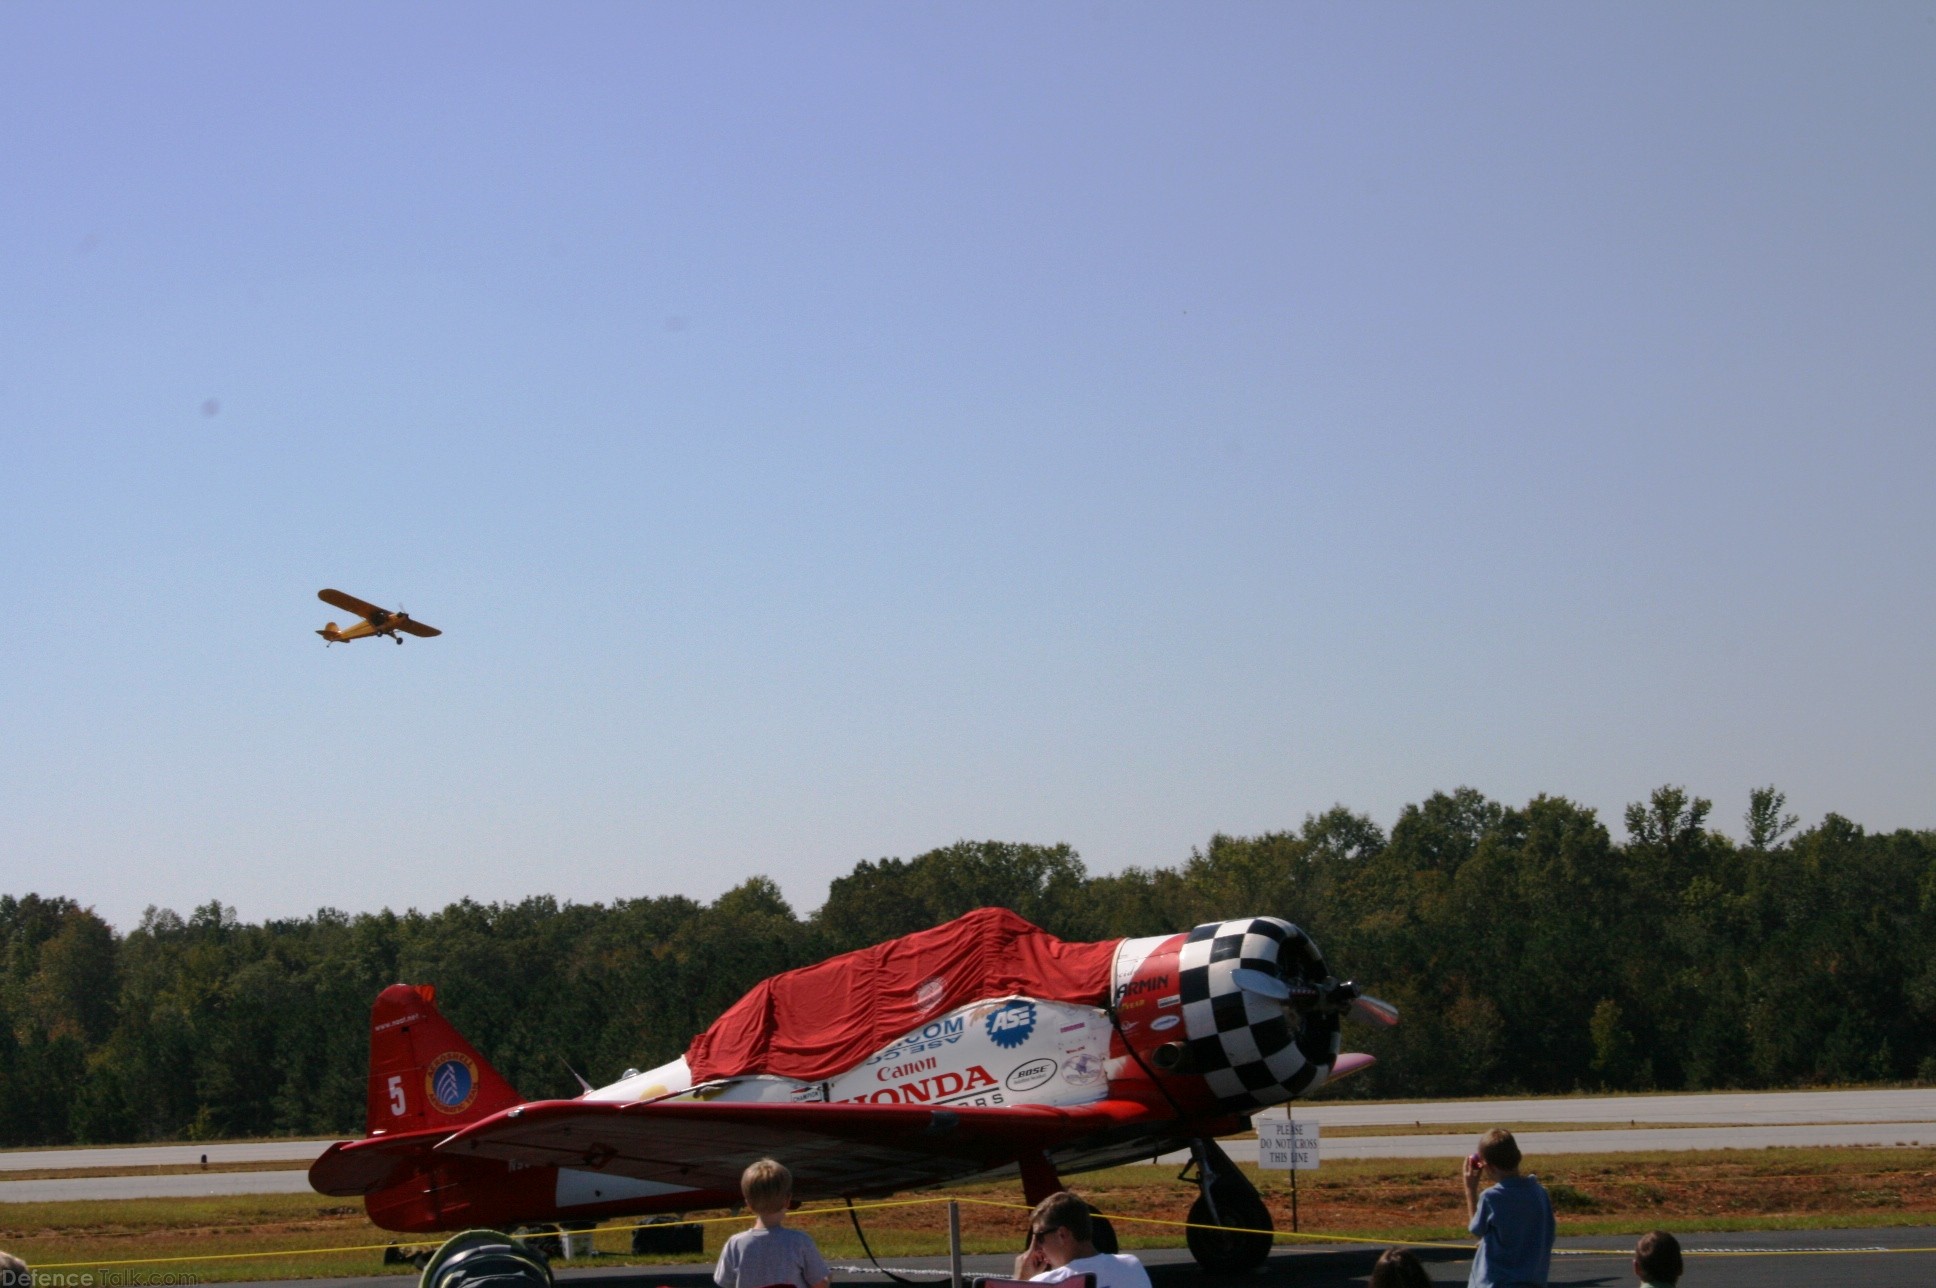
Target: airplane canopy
x=822 y=1020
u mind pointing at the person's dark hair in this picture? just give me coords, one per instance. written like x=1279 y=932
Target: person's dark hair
x=1062 y=1211
x=1499 y=1148
x=1400 y=1268
x=1658 y=1257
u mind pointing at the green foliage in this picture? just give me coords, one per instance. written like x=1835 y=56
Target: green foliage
x=1526 y=949
x=887 y=898
x=1765 y=822
x=1614 y=1060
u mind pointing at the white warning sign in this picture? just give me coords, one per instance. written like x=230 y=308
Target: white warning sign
x=1286 y=1145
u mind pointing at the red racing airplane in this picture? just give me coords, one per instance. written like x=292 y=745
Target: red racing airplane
x=982 y=1048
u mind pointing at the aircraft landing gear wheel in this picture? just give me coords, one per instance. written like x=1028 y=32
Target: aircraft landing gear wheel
x=1230 y=1251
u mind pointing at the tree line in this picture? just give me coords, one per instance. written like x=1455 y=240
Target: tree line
x=1528 y=950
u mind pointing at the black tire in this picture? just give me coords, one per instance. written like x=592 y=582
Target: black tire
x=1230 y=1251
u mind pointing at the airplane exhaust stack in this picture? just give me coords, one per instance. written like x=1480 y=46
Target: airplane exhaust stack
x=1174 y=1057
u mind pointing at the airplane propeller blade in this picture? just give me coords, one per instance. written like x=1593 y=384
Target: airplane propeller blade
x=1333 y=995
x=1373 y=1010
x=1256 y=981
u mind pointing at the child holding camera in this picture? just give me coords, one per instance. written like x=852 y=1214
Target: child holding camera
x=1513 y=1219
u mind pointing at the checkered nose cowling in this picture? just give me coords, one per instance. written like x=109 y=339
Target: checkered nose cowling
x=1250 y=1050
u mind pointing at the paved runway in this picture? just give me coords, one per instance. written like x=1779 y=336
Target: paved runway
x=253 y=1151
x=1535 y=1143
x=1736 y=1107
x=1727 y=1120
x=174 y=1186
x=1904 y=1258
x=1748 y=1120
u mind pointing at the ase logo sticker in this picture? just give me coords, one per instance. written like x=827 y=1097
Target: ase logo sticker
x=1009 y=1026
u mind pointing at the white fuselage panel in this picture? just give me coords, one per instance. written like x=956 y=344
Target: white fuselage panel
x=1002 y=1051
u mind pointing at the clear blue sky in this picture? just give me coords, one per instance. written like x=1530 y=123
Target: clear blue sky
x=830 y=431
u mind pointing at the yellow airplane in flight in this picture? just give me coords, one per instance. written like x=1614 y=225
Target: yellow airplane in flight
x=375 y=620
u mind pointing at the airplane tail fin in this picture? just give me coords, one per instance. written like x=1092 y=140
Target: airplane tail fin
x=329 y=632
x=423 y=1074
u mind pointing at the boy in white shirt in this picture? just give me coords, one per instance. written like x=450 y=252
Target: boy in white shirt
x=769 y=1253
x=1060 y=1248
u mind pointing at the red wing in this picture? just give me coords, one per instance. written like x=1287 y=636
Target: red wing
x=348 y=603
x=414 y=627
x=832 y=1150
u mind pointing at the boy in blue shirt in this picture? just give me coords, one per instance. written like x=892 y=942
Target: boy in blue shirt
x=1513 y=1219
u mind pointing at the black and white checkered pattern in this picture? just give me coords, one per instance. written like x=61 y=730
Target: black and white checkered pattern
x=1250 y=1051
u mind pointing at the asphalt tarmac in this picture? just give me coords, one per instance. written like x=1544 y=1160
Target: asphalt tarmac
x=1896 y=1258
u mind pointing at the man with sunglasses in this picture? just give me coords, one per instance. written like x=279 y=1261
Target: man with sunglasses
x=1060 y=1248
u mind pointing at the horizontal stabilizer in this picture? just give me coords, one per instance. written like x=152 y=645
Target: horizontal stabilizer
x=350 y=1169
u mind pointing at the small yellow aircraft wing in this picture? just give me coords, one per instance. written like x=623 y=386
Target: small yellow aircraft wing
x=348 y=603
x=403 y=623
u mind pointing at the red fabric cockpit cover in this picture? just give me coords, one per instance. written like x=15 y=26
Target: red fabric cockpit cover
x=822 y=1020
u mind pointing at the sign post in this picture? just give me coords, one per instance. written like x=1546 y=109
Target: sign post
x=1289 y=1146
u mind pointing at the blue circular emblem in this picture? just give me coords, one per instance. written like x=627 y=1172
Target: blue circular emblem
x=453 y=1083
x=1009 y=1026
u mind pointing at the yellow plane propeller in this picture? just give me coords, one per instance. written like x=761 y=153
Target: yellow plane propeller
x=375 y=621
